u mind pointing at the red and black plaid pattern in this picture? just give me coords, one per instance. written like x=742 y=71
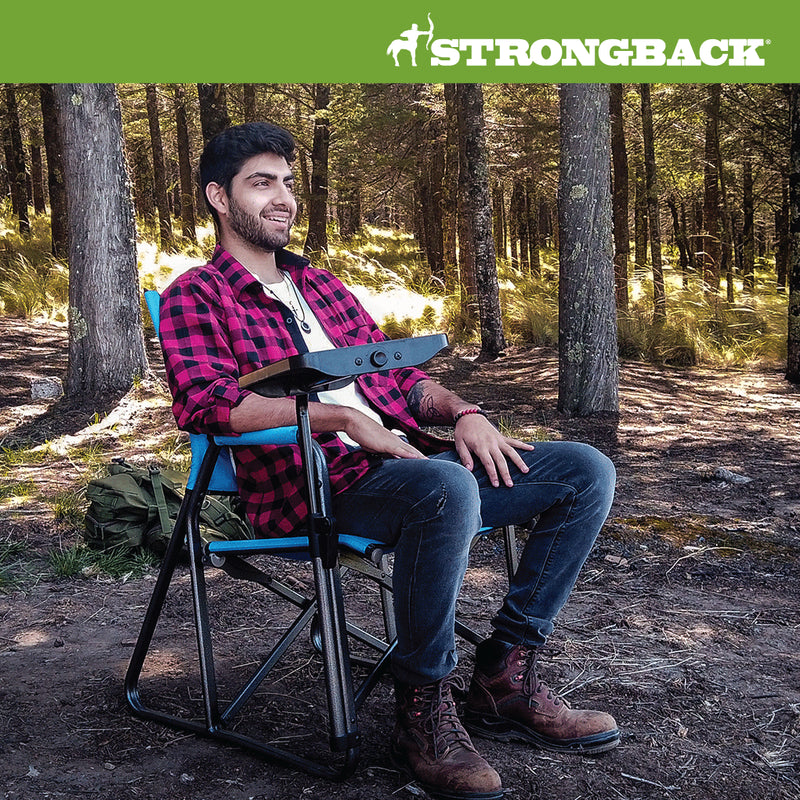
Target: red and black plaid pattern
x=217 y=323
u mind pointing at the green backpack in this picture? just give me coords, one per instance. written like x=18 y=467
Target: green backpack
x=137 y=506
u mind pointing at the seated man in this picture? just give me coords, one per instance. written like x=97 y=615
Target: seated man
x=256 y=303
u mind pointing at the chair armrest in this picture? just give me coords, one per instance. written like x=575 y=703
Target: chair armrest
x=273 y=436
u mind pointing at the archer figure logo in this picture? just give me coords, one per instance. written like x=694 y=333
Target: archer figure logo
x=408 y=41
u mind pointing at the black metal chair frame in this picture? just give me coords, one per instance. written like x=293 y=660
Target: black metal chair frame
x=323 y=611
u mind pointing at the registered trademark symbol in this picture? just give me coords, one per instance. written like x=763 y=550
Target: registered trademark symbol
x=769 y=41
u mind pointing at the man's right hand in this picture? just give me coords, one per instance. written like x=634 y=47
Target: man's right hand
x=374 y=438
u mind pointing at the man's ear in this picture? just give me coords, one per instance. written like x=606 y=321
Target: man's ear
x=218 y=197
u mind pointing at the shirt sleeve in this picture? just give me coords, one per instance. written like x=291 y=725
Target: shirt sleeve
x=202 y=371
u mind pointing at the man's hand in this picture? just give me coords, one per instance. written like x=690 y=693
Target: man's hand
x=476 y=436
x=374 y=438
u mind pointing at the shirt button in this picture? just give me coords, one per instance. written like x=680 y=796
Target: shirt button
x=289 y=321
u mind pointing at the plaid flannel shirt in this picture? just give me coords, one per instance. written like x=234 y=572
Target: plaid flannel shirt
x=217 y=323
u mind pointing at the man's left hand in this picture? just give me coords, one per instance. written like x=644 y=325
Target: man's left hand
x=475 y=437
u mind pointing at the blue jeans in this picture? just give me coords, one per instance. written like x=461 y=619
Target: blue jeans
x=430 y=511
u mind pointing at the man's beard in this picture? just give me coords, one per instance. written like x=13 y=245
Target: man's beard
x=250 y=228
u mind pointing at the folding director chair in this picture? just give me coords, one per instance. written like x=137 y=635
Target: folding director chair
x=328 y=553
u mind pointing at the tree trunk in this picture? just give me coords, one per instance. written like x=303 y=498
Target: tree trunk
x=793 y=359
x=249 y=102
x=450 y=190
x=466 y=238
x=619 y=156
x=348 y=207
x=317 y=236
x=640 y=215
x=521 y=213
x=433 y=215
x=748 y=230
x=213 y=109
x=106 y=346
x=499 y=220
x=653 y=221
x=159 y=170
x=188 y=217
x=15 y=162
x=711 y=239
x=37 y=172
x=472 y=127
x=587 y=343
x=782 y=238
x=55 y=172
x=532 y=211
x=680 y=240
x=689 y=247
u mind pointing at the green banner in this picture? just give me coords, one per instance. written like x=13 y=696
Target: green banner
x=437 y=42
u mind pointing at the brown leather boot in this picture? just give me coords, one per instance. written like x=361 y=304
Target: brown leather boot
x=430 y=743
x=508 y=701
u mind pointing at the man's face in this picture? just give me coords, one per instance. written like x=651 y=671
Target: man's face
x=261 y=203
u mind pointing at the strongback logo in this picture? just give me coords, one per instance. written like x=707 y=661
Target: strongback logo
x=573 y=52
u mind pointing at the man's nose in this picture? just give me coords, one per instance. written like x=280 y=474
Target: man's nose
x=284 y=195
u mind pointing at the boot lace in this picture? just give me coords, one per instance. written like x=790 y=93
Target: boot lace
x=435 y=701
x=531 y=685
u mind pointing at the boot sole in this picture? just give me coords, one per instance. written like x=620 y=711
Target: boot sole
x=441 y=794
x=507 y=730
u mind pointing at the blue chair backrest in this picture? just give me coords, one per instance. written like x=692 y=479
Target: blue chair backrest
x=223 y=479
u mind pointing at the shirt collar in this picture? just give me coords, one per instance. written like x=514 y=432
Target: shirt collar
x=240 y=277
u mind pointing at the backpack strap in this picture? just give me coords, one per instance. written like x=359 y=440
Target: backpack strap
x=161 y=502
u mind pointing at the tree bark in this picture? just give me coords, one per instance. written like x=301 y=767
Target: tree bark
x=188 y=216
x=653 y=221
x=17 y=174
x=317 y=236
x=523 y=233
x=793 y=359
x=782 y=238
x=640 y=214
x=680 y=240
x=619 y=156
x=532 y=211
x=37 y=171
x=249 y=102
x=106 y=345
x=499 y=221
x=55 y=172
x=472 y=127
x=587 y=344
x=159 y=170
x=711 y=224
x=748 y=230
x=432 y=211
x=450 y=190
x=213 y=109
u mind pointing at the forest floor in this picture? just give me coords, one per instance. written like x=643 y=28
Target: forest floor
x=684 y=623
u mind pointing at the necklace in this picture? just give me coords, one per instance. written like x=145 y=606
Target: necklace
x=298 y=310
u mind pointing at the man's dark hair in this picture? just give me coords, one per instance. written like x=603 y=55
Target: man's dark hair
x=224 y=155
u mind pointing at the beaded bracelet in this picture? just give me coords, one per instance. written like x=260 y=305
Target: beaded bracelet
x=466 y=411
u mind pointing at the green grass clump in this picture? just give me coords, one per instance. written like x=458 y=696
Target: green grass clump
x=78 y=560
x=68 y=506
x=174 y=453
x=10 y=558
x=16 y=489
x=31 y=288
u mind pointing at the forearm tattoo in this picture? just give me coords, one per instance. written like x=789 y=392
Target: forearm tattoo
x=423 y=405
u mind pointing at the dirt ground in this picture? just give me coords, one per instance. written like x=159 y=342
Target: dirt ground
x=684 y=623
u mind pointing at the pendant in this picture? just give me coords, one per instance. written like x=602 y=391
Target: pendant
x=306 y=328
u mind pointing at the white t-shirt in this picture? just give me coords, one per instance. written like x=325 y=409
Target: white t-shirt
x=317 y=340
